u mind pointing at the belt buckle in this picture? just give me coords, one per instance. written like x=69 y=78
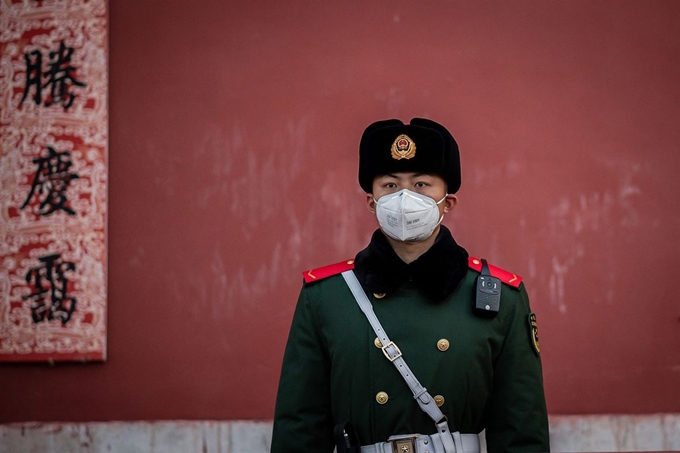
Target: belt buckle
x=404 y=445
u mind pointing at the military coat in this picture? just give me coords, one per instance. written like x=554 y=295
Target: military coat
x=485 y=373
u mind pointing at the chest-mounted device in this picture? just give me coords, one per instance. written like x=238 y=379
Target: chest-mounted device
x=488 y=299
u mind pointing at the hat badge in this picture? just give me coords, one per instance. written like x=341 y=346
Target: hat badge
x=403 y=147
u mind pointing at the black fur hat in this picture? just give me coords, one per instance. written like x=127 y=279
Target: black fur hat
x=390 y=146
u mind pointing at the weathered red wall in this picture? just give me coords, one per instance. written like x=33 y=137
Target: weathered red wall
x=233 y=152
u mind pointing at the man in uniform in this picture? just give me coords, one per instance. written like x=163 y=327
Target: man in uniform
x=480 y=364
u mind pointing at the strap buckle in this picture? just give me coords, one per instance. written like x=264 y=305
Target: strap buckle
x=388 y=355
x=444 y=420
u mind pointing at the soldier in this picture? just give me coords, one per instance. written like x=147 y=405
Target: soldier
x=412 y=346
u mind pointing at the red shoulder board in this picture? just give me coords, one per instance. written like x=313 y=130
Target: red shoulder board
x=320 y=273
x=506 y=277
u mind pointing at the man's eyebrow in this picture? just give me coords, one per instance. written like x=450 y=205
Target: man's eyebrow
x=414 y=175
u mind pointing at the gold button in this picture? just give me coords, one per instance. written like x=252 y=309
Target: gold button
x=377 y=343
x=378 y=295
x=475 y=262
x=439 y=400
x=350 y=262
x=381 y=397
x=443 y=344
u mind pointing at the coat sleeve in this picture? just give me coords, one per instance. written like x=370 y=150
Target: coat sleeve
x=302 y=419
x=517 y=419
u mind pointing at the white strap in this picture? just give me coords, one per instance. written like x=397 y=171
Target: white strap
x=393 y=353
x=451 y=441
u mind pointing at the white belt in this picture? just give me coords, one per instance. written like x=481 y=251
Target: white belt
x=419 y=443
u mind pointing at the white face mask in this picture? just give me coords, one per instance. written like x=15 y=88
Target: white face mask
x=408 y=216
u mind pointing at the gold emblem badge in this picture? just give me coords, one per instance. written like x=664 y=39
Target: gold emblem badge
x=534 y=333
x=403 y=147
x=404 y=448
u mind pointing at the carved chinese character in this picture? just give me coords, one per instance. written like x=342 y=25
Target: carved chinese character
x=50 y=182
x=50 y=297
x=58 y=77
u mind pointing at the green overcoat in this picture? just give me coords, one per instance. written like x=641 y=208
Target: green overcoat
x=489 y=374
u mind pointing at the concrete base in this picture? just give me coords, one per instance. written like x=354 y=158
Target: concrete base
x=568 y=434
x=572 y=433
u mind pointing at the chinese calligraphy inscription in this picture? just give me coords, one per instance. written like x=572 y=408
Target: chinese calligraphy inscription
x=53 y=180
x=50 y=182
x=50 y=296
x=59 y=77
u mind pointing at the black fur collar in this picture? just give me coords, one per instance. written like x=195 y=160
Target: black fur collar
x=437 y=272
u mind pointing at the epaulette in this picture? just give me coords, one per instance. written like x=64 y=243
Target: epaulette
x=320 y=273
x=506 y=277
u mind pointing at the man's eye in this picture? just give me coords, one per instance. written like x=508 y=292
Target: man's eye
x=421 y=184
x=390 y=185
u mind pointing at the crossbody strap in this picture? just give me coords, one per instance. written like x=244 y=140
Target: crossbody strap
x=392 y=352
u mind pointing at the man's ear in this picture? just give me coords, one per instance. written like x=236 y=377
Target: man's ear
x=450 y=202
x=370 y=203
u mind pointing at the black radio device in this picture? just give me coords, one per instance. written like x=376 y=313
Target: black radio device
x=488 y=300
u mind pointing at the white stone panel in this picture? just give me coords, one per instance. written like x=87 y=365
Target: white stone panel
x=610 y=433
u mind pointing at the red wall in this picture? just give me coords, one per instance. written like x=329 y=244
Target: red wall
x=234 y=133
